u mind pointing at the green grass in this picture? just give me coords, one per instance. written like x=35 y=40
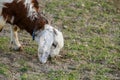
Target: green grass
x=24 y=77
x=4 y=43
x=92 y=43
x=62 y=75
x=4 y=70
x=31 y=50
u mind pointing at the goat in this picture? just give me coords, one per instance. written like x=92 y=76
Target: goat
x=25 y=15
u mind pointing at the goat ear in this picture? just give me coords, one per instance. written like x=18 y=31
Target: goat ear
x=55 y=32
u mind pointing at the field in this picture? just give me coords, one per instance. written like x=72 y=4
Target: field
x=91 y=31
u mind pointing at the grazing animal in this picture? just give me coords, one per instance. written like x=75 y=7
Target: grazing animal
x=25 y=15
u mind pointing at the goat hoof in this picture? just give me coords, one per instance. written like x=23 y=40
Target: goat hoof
x=19 y=48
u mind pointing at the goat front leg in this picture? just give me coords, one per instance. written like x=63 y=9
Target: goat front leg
x=15 y=44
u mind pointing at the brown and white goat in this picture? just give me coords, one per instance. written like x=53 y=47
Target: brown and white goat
x=25 y=15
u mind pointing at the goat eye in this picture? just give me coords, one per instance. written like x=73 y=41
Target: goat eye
x=54 y=45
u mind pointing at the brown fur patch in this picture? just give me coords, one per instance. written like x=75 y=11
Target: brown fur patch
x=19 y=12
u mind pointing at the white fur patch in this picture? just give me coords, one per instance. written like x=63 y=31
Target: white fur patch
x=32 y=13
x=2 y=22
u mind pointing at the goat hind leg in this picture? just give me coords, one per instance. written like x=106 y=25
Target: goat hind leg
x=2 y=23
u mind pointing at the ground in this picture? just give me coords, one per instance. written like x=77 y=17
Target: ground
x=91 y=31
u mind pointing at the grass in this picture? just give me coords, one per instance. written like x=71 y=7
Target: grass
x=4 y=70
x=62 y=75
x=92 y=44
x=4 y=43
